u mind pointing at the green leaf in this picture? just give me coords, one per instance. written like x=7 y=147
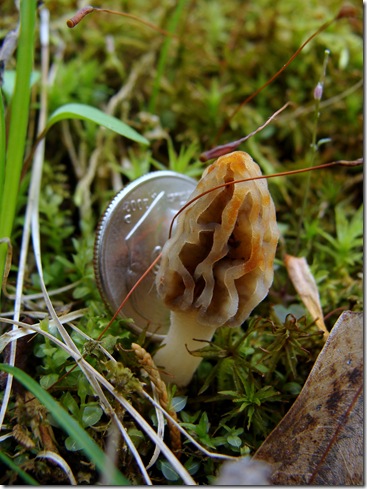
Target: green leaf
x=60 y=357
x=204 y=425
x=91 y=415
x=16 y=127
x=70 y=404
x=2 y=142
x=168 y=472
x=88 y=113
x=178 y=403
x=47 y=380
x=235 y=441
x=72 y=444
x=136 y=436
x=192 y=466
x=293 y=388
x=84 y=388
x=250 y=413
x=72 y=427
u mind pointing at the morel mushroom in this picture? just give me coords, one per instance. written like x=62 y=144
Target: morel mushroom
x=218 y=265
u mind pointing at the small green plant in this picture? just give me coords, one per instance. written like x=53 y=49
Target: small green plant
x=286 y=343
x=249 y=402
x=135 y=165
x=212 y=99
x=182 y=162
x=345 y=249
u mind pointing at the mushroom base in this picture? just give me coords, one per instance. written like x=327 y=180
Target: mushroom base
x=174 y=358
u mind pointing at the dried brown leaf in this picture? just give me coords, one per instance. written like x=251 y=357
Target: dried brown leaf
x=320 y=440
x=304 y=283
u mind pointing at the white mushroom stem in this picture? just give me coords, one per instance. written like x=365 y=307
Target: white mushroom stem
x=178 y=364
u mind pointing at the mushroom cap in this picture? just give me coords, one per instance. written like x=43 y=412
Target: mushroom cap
x=219 y=261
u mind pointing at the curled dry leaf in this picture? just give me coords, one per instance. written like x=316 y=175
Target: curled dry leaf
x=305 y=285
x=320 y=440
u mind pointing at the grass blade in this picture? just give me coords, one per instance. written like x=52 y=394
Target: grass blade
x=88 y=113
x=72 y=427
x=2 y=143
x=18 y=123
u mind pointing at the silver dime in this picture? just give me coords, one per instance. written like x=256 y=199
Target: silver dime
x=130 y=235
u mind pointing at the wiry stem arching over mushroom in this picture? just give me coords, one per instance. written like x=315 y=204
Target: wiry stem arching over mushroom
x=218 y=265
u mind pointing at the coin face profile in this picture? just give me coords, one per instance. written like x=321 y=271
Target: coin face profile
x=130 y=235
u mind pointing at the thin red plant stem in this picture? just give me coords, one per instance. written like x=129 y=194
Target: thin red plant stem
x=224 y=149
x=79 y=16
x=129 y=294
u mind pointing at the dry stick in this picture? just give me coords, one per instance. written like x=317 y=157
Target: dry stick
x=345 y=11
x=79 y=16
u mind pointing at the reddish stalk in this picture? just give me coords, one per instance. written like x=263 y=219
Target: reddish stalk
x=224 y=149
x=83 y=12
x=151 y=266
